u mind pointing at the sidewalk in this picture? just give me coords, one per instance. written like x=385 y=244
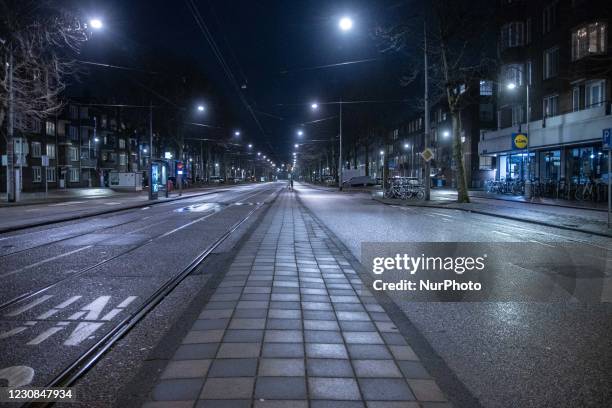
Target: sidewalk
x=569 y=218
x=68 y=194
x=292 y=325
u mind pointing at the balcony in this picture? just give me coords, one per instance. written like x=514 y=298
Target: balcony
x=571 y=128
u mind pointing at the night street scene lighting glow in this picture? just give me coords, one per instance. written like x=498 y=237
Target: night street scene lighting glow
x=306 y=203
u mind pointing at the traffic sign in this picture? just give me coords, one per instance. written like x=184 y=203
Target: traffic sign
x=427 y=154
x=607 y=138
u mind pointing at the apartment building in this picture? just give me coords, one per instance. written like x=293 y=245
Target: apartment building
x=554 y=89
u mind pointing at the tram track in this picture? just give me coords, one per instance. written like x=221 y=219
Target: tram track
x=35 y=292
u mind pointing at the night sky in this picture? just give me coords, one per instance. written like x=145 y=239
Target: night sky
x=261 y=41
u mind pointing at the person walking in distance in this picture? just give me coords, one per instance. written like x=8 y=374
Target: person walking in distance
x=291 y=181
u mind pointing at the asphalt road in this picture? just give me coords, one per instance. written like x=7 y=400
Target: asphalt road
x=81 y=278
x=549 y=344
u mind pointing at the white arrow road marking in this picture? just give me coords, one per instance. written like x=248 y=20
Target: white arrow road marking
x=82 y=331
x=94 y=308
x=12 y=332
x=29 y=305
x=44 y=261
x=17 y=376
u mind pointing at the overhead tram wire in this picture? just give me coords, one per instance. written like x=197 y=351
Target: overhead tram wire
x=228 y=72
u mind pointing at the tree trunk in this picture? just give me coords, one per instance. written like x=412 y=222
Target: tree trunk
x=462 y=188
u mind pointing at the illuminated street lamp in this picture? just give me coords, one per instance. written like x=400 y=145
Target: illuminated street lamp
x=314 y=106
x=201 y=108
x=96 y=23
x=345 y=23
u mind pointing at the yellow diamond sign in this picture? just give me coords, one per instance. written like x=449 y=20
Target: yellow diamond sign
x=427 y=154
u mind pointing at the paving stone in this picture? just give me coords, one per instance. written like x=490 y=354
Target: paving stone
x=333 y=388
x=369 y=352
x=283 y=336
x=283 y=350
x=247 y=324
x=403 y=353
x=168 y=404
x=196 y=351
x=216 y=314
x=281 y=404
x=203 y=336
x=385 y=389
x=356 y=316
x=322 y=336
x=357 y=326
x=321 y=325
x=387 y=327
x=243 y=336
x=245 y=403
x=394 y=404
x=210 y=324
x=426 y=390
x=233 y=367
x=284 y=314
x=326 y=367
x=376 y=369
x=349 y=307
x=228 y=388
x=177 y=390
x=413 y=369
x=319 y=315
x=186 y=369
x=280 y=388
x=281 y=367
x=394 y=339
x=285 y=297
x=362 y=338
x=250 y=313
x=284 y=324
x=238 y=350
x=316 y=350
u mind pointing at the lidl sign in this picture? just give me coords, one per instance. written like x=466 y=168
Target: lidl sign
x=520 y=141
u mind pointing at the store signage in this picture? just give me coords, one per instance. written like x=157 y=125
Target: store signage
x=520 y=141
x=607 y=138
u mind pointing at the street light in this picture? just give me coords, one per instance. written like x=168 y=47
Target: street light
x=345 y=23
x=250 y=146
x=511 y=86
x=296 y=145
x=259 y=153
x=237 y=133
x=96 y=23
x=300 y=133
x=314 y=106
x=201 y=108
x=446 y=133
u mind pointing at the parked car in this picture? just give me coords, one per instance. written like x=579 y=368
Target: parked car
x=360 y=181
x=217 y=180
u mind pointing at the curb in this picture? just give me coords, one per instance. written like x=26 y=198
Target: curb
x=508 y=217
x=545 y=204
x=102 y=212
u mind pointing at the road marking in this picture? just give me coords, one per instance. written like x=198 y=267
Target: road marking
x=44 y=261
x=66 y=203
x=94 y=308
x=442 y=215
x=112 y=203
x=17 y=376
x=502 y=233
x=57 y=308
x=82 y=332
x=541 y=243
x=126 y=302
x=145 y=208
x=13 y=332
x=44 y=336
x=29 y=305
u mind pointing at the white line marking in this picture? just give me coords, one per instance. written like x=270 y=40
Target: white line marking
x=44 y=261
x=95 y=308
x=12 y=332
x=541 y=243
x=44 y=336
x=57 y=308
x=29 y=305
x=127 y=301
x=66 y=203
x=82 y=332
x=111 y=314
x=17 y=376
x=112 y=203
x=502 y=233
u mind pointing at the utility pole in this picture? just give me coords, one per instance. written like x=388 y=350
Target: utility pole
x=10 y=144
x=340 y=150
x=426 y=138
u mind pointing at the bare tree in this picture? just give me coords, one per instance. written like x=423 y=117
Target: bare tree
x=456 y=31
x=36 y=44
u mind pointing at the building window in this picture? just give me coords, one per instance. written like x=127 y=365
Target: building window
x=36 y=149
x=549 y=17
x=51 y=174
x=486 y=163
x=51 y=150
x=36 y=174
x=512 y=74
x=122 y=143
x=486 y=88
x=551 y=105
x=74 y=112
x=576 y=99
x=73 y=133
x=73 y=154
x=517 y=115
x=74 y=175
x=528 y=31
x=512 y=35
x=122 y=159
x=50 y=127
x=589 y=39
x=594 y=93
x=551 y=62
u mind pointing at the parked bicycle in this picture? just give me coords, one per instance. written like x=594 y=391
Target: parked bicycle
x=405 y=188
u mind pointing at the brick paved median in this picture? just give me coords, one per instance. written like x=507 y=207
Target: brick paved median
x=292 y=325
